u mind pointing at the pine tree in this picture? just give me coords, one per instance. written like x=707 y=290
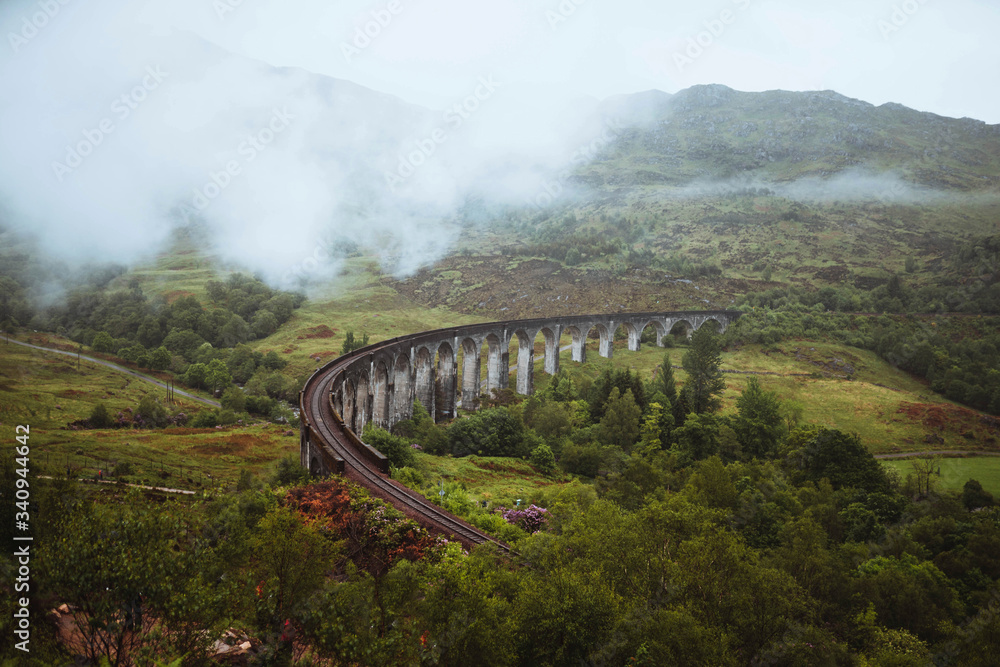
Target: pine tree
x=620 y=424
x=758 y=423
x=701 y=392
x=667 y=385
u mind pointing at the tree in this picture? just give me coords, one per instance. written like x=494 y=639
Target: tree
x=841 y=458
x=217 y=376
x=290 y=559
x=184 y=342
x=289 y=472
x=543 y=459
x=700 y=393
x=493 y=432
x=620 y=425
x=974 y=496
x=421 y=429
x=195 y=375
x=924 y=469
x=910 y=594
x=234 y=399
x=151 y=412
x=656 y=430
x=103 y=342
x=759 y=422
x=624 y=380
x=118 y=567
x=99 y=417
x=272 y=361
x=665 y=383
x=351 y=343
x=159 y=359
x=550 y=419
x=698 y=438
x=394 y=448
x=264 y=323
x=235 y=331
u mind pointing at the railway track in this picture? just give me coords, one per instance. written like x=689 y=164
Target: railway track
x=328 y=445
x=323 y=421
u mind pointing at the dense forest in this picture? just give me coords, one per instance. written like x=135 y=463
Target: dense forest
x=703 y=539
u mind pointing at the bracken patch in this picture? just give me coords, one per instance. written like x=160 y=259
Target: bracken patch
x=322 y=331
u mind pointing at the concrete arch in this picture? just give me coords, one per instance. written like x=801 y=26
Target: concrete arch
x=381 y=382
x=525 y=379
x=658 y=327
x=425 y=379
x=315 y=467
x=446 y=381
x=688 y=328
x=607 y=333
x=362 y=404
x=402 y=390
x=338 y=400
x=496 y=364
x=633 y=332
x=471 y=368
x=719 y=326
x=380 y=395
x=551 y=334
x=579 y=335
x=349 y=391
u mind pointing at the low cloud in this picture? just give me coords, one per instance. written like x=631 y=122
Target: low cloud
x=119 y=130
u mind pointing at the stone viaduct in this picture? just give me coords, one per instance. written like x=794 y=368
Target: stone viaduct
x=382 y=380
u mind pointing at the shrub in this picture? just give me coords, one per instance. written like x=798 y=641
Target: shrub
x=493 y=432
x=397 y=450
x=99 y=417
x=234 y=399
x=543 y=459
x=531 y=519
x=150 y=413
x=289 y=472
x=205 y=419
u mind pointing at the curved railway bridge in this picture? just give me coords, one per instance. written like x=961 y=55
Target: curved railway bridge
x=379 y=383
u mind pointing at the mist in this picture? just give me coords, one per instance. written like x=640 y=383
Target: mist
x=856 y=185
x=120 y=128
x=123 y=123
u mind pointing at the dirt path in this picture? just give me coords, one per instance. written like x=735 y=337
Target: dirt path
x=906 y=455
x=138 y=486
x=120 y=369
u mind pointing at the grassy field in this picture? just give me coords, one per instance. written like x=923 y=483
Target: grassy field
x=495 y=480
x=955 y=472
x=890 y=410
x=47 y=392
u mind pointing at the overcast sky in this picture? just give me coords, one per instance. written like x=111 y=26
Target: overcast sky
x=927 y=54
